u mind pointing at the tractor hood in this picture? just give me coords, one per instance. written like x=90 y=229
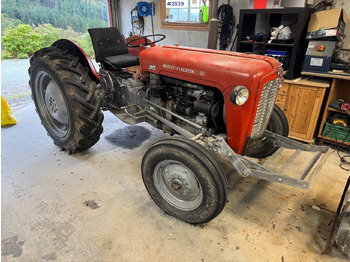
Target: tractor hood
x=223 y=70
x=220 y=69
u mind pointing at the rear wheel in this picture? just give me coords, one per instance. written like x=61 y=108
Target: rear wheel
x=278 y=124
x=185 y=180
x=65 y=99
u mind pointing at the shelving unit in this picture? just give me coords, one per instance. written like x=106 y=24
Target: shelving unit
x=255 y=21
x=340 y=89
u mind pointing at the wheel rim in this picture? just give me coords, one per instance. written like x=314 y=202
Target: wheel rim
x=178 y=185
x=52 y=104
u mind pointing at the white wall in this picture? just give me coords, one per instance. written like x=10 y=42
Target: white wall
x=181 y=37
x=199 y=38
x=345 y=4
x=191 y=38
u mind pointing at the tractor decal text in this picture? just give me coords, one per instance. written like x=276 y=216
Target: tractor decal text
x=185 y=70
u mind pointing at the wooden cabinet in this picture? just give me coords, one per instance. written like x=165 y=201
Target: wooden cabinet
x=301 y=102
x=282 y=95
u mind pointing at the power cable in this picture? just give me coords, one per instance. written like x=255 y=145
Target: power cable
x=157 y=20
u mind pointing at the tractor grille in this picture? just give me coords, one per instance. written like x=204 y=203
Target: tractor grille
x=265 y=107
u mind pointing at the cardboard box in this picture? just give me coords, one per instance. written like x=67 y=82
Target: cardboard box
x=327 y=24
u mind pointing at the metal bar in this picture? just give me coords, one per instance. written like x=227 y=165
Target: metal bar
x=320 y=164
x=178 y=129
x=289 y=161
x=310 y=165
x=292 y=144
x=273 y=177
x=254 y=165
x=173 y=114
x=225 y=150
x=214 y=12
x=213 y=27
x=152 y=24
x=273 y=157
x=197 y=136
x=128 y=106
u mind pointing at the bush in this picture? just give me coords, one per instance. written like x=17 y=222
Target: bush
x=48 y=34
x=8 y=23
x=23 y=40
x=85 y=43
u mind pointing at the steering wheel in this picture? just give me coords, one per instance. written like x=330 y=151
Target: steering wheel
x=146 y=42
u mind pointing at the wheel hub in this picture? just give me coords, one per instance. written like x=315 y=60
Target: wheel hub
x=178 y=185
x=55 y=103
x=52 y=106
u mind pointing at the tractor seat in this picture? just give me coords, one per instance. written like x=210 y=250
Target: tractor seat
x=110 y=48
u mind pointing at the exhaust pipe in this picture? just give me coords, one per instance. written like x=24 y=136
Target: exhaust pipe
x=213 y=27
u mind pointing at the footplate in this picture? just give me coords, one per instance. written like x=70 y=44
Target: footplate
x=293 y=164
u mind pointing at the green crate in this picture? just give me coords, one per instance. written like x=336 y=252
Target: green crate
x=338 y=133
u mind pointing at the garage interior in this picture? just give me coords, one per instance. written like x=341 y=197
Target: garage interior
x=93 y=205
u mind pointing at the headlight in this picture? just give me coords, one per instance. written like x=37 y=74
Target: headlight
x=239 y=95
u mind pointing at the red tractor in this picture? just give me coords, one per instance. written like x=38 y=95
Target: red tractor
x=210 y=102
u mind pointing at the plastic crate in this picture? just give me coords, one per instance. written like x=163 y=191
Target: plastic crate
x=338 y=133
x=277 y=52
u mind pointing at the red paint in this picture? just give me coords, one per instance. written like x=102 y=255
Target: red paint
x=110 y=13
x=66 y=44
x=220 y=69
x=260 y=4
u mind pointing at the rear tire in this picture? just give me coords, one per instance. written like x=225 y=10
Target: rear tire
x=185 y=180
x=65 y=99
x=278 y=124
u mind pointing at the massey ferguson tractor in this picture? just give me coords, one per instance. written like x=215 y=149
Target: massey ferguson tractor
x=213 y=104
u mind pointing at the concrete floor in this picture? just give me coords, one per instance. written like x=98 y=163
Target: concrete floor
x=93 y=206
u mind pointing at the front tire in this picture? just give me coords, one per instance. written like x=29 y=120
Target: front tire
x=278 y=124
x=65 y=99
x=185 y=180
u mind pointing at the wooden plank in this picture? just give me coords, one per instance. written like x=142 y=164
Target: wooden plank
x=284 y=89
x=310 y=81
x=335 y=141
x=329 y=75
x=300 y=138
x=281 y=101
x=331 y=96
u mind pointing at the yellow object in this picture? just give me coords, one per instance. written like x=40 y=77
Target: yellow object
x=7 y=117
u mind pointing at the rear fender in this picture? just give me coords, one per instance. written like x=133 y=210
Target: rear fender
x=77 y=51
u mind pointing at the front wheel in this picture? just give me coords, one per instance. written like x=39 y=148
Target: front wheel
x=185 y=180
x=65 y=99
x=278 y=124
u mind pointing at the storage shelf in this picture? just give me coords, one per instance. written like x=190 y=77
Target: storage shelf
x=335 y=110
x=261 y=21
x=267 y=44
x=338 y=142
x=280 y=44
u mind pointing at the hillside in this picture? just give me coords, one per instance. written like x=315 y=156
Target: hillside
x=77 y=14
